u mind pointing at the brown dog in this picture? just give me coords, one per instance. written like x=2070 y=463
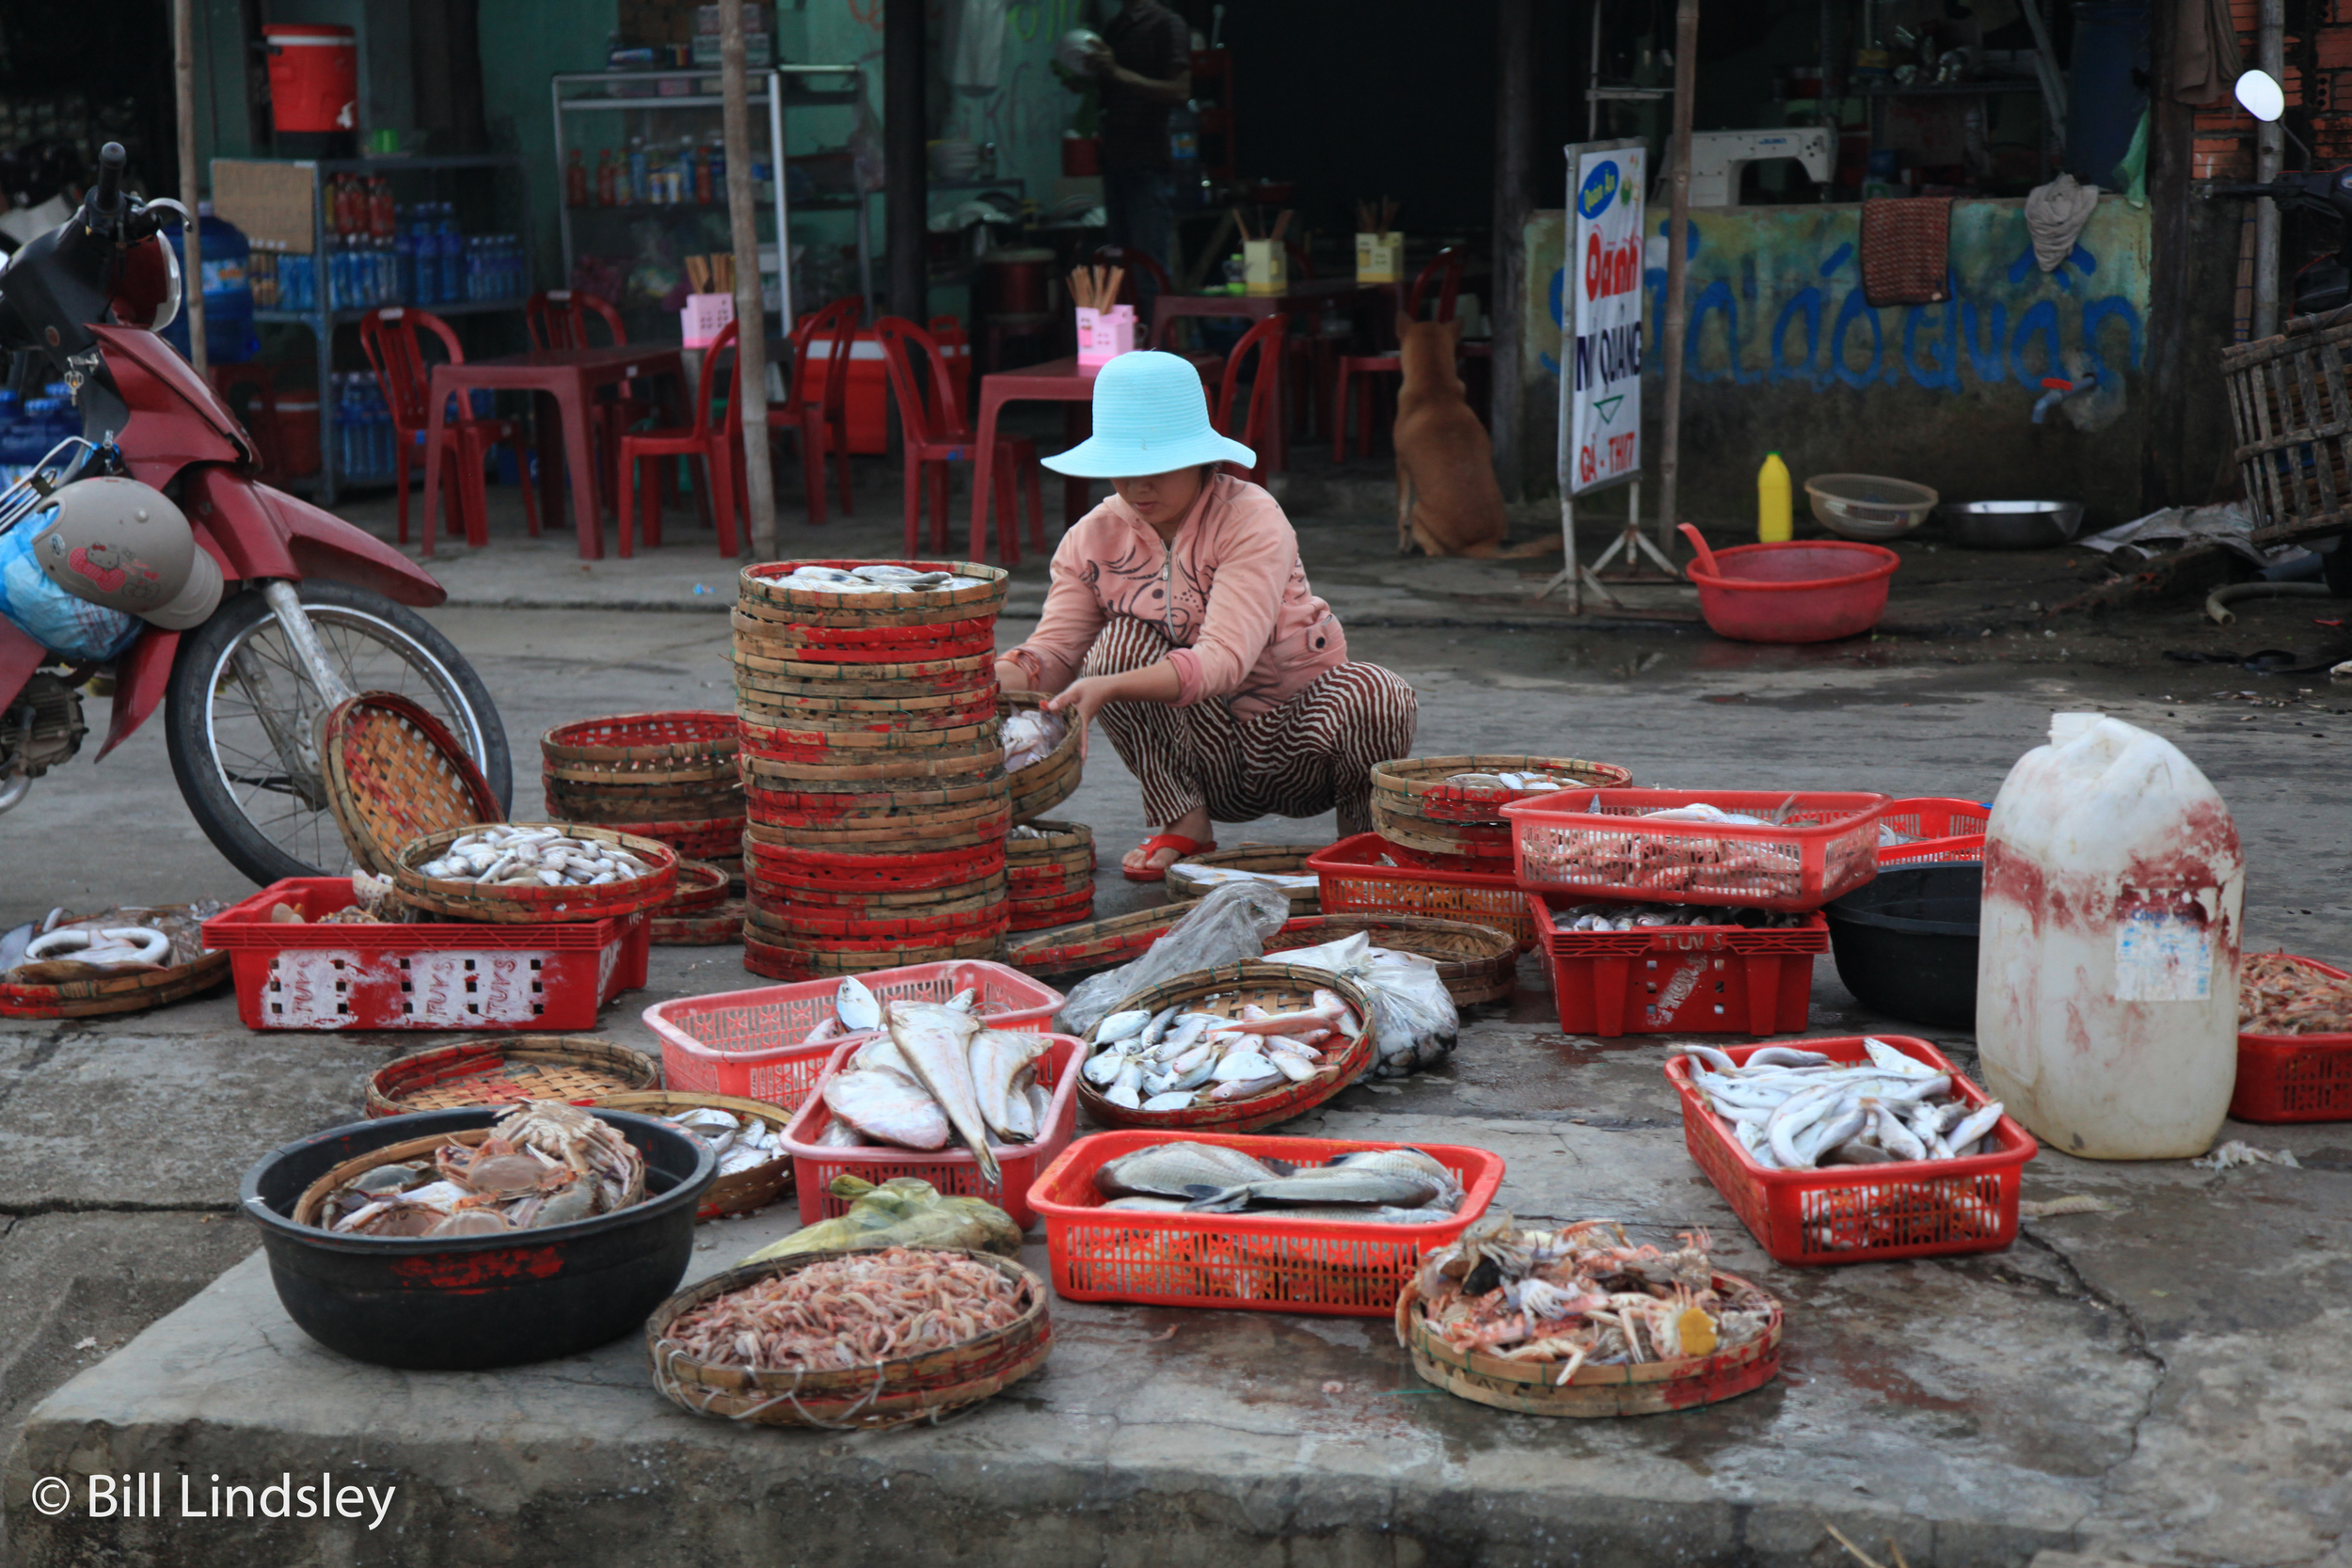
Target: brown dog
x=1447 y=500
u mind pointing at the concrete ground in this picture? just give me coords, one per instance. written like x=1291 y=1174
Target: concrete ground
x=2161 y=1383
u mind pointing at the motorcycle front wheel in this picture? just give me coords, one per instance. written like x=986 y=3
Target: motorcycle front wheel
x=244 y=716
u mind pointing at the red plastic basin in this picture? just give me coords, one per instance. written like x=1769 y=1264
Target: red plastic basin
x=1806 y=591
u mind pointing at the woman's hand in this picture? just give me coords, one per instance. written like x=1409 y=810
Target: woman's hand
x=1081 y=700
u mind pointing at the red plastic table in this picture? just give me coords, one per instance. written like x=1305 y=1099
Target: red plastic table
x=1313 y=293
x=570 y=377
x=1055 y=381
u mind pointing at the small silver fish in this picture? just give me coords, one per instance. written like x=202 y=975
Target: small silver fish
x=1119 y=1027
x=855 y=1006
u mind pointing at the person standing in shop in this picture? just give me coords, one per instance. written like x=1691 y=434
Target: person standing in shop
x=1143 y=70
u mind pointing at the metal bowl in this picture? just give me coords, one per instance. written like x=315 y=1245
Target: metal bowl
x=2010 y=524
x=1869 y=507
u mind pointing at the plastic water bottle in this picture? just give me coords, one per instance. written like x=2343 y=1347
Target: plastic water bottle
x=1774 y=522
x=452 y=287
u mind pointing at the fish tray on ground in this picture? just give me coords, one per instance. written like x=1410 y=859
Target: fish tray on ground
x=1285 y=860
x=1477 y=963
x=1050 y=914
x=1862 y=1214
x=874 y=1396
x=759 y=594
x=747 y=1043
x=1413 y=805
x=952 y=1170
x=2284 y=1078
x=108 y=994
x=1640 y=1389
x=1359 y=878
x=1052 y=778
x=837 y=958
x=745 y=1192
x=1258 y=1260
x=1099 y=944
x=700 y=886
x=1606 y=845
x=508 y=1069
x=1680 y=979
x=721 y=926
x=516 y=904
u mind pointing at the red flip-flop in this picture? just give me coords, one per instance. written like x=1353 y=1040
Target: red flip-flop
x=1158 y=841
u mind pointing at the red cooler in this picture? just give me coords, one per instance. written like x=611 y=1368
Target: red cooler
x=313 y=76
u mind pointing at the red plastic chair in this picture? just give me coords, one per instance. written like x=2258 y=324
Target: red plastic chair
x=558 y=318
x=1143 y=264
x=1444 y=272
x=934 y=432
x=716 y=446
x=819 y=413
x=395 y=352
x=1258 y=424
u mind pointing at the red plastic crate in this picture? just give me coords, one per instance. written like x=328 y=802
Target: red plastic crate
x=1939 y=829
x=1354 y=882
x=436 y=975
x=747 y=1043
x=1259 y=1262
x=2294 y=1077
x=1681 y=979
x=1599 y=844
x=951 y=1170
x=1967 y=846
x=1862 y=1214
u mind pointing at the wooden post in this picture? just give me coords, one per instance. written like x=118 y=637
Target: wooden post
x=184 y=70
x=905 y=232
x=1677 y=226
x=2269 y=55
x=1514 y=138
x=751 y=312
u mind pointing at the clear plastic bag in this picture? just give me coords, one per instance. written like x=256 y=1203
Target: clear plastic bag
x=1228 y=926
x=72 y=627
x=1414 y=1019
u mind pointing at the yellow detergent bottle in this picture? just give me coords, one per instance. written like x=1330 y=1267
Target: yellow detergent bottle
x=1772 y=519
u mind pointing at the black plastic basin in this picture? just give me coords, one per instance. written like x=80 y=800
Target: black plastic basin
x=477 y=1301
x=1906 y=943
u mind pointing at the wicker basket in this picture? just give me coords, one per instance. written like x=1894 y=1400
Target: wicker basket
x=507 y=1069
x=108 y=994
x=1039 y=787
x=791 y=678
x=1226 y=990
x=623 y=806
x=834 y=746
x=1476 y=962
x=791 y=922
x=1412 y=804
x=1287 y=858
x=1047 y=915
x=1056 y=867
x=306 y=1209
x=885 y=832
x=1087 y=949
x=699 y=887
x=764 y=715
x=1642 y=1389
x=859 y=1399
x=938 y=767
x=854 y=645
x=395 y=773
x=776 y=961
x=721 y=926
x=759 y=597
x=779 y=897
x=746 y=1192
x=518 y=905
x=676 y=748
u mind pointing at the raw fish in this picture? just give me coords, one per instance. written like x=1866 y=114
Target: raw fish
x=937 y=1043
x=886 y=1107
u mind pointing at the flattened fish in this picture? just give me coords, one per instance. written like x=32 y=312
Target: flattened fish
x=937 y=1043
x=1402 y=1189
x=998 y=1060
x=1173 y=1170
x=887 y=1108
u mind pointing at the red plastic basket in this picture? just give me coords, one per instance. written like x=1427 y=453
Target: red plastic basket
x=1862 y=1214
x=2294 y=1077
x=1938 y=827
x=951 y=1170
x=425 y=976
x=1967 y=846
x=1600 y=846
x=747 y=1043
x=1355 y=882
x=1257 y=1261
x=1681 y=979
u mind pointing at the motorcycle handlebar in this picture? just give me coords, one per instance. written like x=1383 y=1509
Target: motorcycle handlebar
x=111 y=159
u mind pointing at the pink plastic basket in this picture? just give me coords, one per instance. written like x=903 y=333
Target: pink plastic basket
x=1603 y=844
x=748 y=1042
x=950 y=1170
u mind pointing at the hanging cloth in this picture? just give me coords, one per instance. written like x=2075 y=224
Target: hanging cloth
x=1906 y=249
x=2054 y=215
x=978 y=57
x=2206 y=56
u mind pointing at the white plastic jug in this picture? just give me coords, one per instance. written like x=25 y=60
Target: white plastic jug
x=2106 y=970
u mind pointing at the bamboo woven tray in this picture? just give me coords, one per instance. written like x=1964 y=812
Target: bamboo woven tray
x=913 y=832
x=746 y=1192
x=1289 y=859
x=507 y=1069
x=792 y=742
x=836 y=708
x=776 y=961
x=710 y=839
x=721 y=926
x=873 y=1398
x=619 y=803
x=686 y=746
x=779 y=897
x=800 y=640
x=394 y=773
x=1476 y=962
x=1225 y=989
x=758 y=596
x=1068 y=844
x=700 y=886
x=1414 y=806
x=306 y=1210
x=519 y=905
x=933 y=768
x=1643 y=1388
x=115 y=993
x=1099 y=944
x=821 y=871
x=1046 y=783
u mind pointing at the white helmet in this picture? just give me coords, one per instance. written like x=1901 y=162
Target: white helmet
x=123 y=544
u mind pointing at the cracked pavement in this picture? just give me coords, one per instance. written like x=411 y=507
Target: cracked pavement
x=2161 y=1383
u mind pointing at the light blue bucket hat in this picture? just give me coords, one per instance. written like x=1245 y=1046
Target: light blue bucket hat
x=1151 y=416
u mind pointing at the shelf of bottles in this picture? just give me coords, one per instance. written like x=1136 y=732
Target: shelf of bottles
x=31 y=426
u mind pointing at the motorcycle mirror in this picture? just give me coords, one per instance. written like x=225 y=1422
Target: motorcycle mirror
x=2259 y=95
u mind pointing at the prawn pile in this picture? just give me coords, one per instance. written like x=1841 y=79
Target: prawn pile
x=532 y=855
x=1180 y=1057
x=1030 y=735
x=933 y=1073
x=2280 y=995
x=1797 y=1110
x=853 y=1311
x=878 y=578
x=1621 y=855
x=548 y=1163
x=1583 y=1295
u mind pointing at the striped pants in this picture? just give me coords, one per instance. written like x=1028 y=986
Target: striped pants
x=1312 y=754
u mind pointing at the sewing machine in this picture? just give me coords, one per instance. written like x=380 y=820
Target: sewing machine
x=1718 y=156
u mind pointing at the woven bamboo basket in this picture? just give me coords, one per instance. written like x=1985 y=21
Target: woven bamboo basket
x=1414 y=806
x=832 y=711
x=885 y=832
x=806 y=644
x=1070 y=845
x=788 y=677
x=721 y=926
x=886 y=1394
x=520 y=905
x=1101 y=944
x=778 y=961
x=1288 y=859
x=1047 y=783
x=700 y=886
x=1642 y=1389
x=1278 y=988
x=507 y=1069
x=711 y=839
x=621 y=804
x=682 y=747
x=1476 y=963
x=306 y=1210
x=940 y=767
x=822 y=872
x=777 y=803
x=1050 y=914
x=779 y=897
x=110 y=994
x=791 y=921
x=758 y=596
x=395 y=773
x=843 y=747
x=746 y=1192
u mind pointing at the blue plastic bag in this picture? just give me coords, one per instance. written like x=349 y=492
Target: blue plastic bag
x=72 y=627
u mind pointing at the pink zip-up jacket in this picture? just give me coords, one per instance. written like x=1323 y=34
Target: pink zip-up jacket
x=1230 y=592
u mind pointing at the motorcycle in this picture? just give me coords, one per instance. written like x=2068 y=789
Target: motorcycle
x=309 y=610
